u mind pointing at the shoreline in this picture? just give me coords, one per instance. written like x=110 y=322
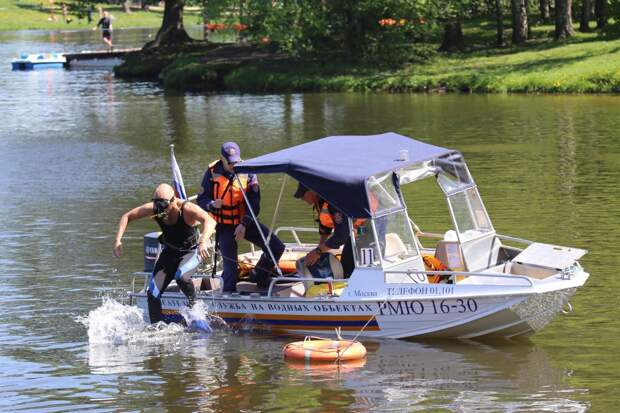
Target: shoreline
x=593 y=68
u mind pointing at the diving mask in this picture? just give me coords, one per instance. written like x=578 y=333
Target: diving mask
x=160 y=205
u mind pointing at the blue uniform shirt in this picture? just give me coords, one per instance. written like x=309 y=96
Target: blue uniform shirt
x=205 y=197
x=341 y=231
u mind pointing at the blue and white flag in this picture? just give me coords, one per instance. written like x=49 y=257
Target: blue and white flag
x=177 y=179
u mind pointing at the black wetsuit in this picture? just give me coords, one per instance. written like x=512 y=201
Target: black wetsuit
x=105 y=23
x=179 y=242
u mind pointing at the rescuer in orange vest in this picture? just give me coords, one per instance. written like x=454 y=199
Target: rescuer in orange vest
x=333 y=230
x=221 y=194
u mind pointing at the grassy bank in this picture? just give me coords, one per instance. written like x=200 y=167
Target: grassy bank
x=589 y=63
x=35 y=14
x=586 y=66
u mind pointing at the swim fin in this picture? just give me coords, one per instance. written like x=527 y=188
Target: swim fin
x=199 y=326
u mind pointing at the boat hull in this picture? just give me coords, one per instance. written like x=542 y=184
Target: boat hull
x=34 y=66
x=506 y=316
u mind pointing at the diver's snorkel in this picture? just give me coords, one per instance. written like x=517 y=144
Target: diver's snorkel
x=160 y=207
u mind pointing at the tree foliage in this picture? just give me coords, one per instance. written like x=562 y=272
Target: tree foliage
x=356 y=28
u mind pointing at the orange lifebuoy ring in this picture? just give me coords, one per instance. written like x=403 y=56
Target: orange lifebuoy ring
x=325 y=369
x=316 y=349
x=287 y=266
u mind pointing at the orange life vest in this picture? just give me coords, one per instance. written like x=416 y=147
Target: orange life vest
x=231 y=194
x=326 y=220
x=432 y=263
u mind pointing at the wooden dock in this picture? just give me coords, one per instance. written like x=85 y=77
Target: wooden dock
x=97 y=57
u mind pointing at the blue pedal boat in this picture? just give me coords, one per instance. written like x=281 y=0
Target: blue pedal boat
x=39 y=61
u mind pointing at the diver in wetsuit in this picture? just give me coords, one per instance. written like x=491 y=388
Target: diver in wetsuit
x=178 y=220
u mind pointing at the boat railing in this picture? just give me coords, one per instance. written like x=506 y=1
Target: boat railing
x=515 y=239
x=294 y=232
x=203 y=273
x=500 y=236
x=330 y=281
x=418 y=280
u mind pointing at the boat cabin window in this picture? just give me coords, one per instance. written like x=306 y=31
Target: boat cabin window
x=365 y=247
x=470 y=216
x=388 y=238
x=382 y=195
x=454 y=175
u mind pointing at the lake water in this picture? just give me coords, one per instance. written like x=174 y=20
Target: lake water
x=79 y=147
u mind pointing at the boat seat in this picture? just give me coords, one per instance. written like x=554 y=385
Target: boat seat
x=289 y=289
x=394 y=246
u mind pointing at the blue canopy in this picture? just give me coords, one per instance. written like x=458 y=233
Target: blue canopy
x=337 y=167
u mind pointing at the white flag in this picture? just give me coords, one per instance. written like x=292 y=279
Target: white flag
x=177 y=179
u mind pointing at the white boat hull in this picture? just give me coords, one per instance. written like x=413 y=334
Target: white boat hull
x=455 y=315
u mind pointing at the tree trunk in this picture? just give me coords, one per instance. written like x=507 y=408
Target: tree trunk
x=499 y=17
x=601 y=13
x=205 y=20
x=563 y=22
x=544 y=11
x=126 y=6
x=527 y=15
x=452 y=37
x=519 y=21
x=584 y=21
x=171 y=30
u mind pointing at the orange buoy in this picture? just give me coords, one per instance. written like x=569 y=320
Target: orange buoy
x=317 y=349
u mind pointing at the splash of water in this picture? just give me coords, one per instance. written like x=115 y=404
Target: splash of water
x=116 y=323
x=196 y=318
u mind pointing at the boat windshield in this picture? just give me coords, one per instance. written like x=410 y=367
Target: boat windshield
x=386 y=240
x=451 y=172
x=470 y=216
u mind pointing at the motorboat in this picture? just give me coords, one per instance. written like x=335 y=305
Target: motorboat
x=488 y=284
x=39 y=61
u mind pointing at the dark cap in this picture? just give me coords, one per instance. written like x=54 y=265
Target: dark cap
x=231 y=151
x=301 y=190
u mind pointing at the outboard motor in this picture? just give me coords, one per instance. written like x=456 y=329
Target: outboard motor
x=152 y=248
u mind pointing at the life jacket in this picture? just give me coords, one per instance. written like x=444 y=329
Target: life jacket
x=432 y=263
x=325 y=217
x=231 y=194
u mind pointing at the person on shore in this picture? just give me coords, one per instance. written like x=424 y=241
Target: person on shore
x=65 y=13
x=222 y=195
x=182 y=243
x=106 y=29
x=334 y=232
x=89 y=14
x=52 y=16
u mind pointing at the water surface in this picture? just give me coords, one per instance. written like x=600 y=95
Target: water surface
x=79 y=147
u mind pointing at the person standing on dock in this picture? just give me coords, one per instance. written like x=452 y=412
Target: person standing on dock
x=106 y=29
x=223 y=195
x=182 y=243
